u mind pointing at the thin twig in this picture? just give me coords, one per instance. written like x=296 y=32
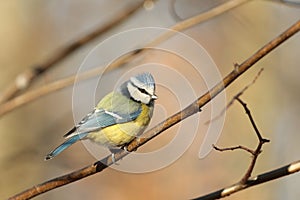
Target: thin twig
x=60 y=84
x=233 y=99
x=251 y=120
x=234 y=148
x=174 y=119
x=262 y=141
x=262 y=178
x=255 y=153
x=35 y=94
x=25 y=79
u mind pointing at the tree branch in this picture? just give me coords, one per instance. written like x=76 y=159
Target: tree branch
x=261 y=141
x=262 y=178
x=234 y=148
x=236 y=96
x=25 y=79
x=60 y=84
x=176 y=118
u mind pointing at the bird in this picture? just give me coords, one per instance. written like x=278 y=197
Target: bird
x=118 y=118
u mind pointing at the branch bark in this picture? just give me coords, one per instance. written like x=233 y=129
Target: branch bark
x=20 y=100
x=261 y=141
x=262 y=178
x=176 y=118
x=25 y=79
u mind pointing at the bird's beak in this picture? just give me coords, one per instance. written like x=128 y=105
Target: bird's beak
x=154 y=97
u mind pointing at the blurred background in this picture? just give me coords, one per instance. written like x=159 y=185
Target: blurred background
x=32 y=31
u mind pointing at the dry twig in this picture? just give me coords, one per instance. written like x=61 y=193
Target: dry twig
x=236 y=96
x=262 y=178
x=57 y=85
x=25 y=79
x=169 y=122
x=246 y=181
x=258 y=149
x=255 y=153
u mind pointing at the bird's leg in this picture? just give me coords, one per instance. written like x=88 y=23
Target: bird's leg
x=113 y=158
x=113 y=152
x=124 y=147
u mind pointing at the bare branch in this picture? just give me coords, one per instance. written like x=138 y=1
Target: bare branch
x=234 y=148
x=57 y=85
x=234 y=98
x=262 y=178
x=25 y=79
x=255 y=153
x=262 y=141
x=174 y=119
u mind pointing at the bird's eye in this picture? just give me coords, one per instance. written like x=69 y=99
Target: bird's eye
x=143 y=91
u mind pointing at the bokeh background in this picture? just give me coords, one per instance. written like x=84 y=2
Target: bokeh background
x=31 y=31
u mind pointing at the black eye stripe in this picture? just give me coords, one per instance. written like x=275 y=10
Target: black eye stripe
x=143 y=91
x=140 y=89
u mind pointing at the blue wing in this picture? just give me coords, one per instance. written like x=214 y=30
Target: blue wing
x=92 y=122
x=100 y=118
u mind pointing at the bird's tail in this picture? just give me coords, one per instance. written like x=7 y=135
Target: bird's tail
x=65 y=145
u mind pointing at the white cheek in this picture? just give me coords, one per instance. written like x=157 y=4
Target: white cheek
x=137 y=95
x=145 y=98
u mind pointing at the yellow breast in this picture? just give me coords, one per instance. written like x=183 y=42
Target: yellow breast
x=120 y=134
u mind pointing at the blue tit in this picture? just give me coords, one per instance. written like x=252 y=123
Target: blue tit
x=118 y=118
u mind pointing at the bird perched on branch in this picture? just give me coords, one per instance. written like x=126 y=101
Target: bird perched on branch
x=118 y=118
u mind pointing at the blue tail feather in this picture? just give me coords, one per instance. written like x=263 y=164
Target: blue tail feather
x=65 y=145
